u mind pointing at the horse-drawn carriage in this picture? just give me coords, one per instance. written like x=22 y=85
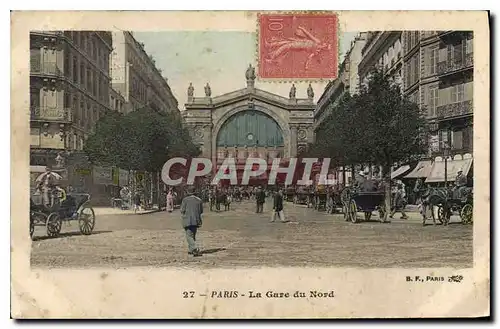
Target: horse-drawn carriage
x=320 y=197
x=289 y=193
x=302 y=196
x=216 y=198
x=354 y=201
x=74 y=206
x=447 y=202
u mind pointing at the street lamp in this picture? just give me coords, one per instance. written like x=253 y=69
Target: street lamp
x=446 y=153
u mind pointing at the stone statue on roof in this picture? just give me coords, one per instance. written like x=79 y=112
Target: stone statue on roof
x=250 y=73
x=208 y=90
x=310 y=92
x=293 y=92
x=190 y=90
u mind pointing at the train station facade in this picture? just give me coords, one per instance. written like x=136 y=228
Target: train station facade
x=249 y=122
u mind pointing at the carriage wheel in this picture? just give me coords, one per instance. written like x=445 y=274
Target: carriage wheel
x=345 y=211
x=353 y=209
x=53 y=224
x=440 y=214
x=368 y=215
x=466 y=214
x=86 y=220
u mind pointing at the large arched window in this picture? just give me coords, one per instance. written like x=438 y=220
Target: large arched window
x=250 y=128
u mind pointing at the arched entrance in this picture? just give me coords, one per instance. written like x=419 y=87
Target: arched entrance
x=250 y=128
x=250 y=133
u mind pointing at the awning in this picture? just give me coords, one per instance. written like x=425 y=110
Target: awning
x=422 y=170
x=437 y=172
x=37 y=169
x=398 y=172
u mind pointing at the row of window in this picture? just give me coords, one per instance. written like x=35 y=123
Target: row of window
x=73 y=141
x=138 y=63
x=412 y=70
x=459 y=139
x=90 y=44
x=391 y=55
x=116 y=104
x=143 y=68
x=85 y=112
x=452 y=54
x=455 y=94
x=412 y=38
x=94 y=81
x=139 y=89
x=74 y=68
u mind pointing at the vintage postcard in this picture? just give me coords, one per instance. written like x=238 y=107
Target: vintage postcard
x=237 y=164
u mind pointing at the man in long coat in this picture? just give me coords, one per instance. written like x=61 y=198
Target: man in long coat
x=192 y=215
x=260 y=199
x=278 y=207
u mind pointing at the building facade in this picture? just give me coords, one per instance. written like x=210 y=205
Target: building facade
x=116 y=100
x=136 y=78
x=442 y=84
x=384 y=50
x=348 y=80
x=69 y=89
x=250 y=122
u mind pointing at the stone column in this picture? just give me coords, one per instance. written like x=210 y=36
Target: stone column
x=310 y=134
x=207 y=142
x=293 y=141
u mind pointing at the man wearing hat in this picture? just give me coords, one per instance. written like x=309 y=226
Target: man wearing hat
x=360 y=180
x=460 y=184
x=260 y=198
x=192 y=213
x=46 y=184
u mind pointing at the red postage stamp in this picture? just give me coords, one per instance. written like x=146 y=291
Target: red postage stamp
x=298 y=46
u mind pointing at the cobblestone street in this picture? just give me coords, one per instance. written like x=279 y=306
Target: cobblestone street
x=240 y=237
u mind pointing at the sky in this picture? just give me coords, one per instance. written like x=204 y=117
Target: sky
x=217 y=57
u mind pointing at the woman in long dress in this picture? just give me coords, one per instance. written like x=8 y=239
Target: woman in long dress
x=170 y=201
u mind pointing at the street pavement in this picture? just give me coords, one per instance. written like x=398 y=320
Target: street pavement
x=242 y=238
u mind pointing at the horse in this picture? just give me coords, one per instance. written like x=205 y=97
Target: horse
x=227 y=202
x=345 y=198
x=444 y=199
x=220 y=198
x=211 y=200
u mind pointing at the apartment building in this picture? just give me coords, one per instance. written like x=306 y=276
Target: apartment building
x=441 y=82
x=69 y=89
x=136 y=77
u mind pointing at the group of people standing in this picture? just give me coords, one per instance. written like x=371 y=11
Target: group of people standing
x=260 y=200
x=192 y=213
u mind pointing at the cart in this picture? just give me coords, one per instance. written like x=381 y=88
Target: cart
x=74 y=206
x=302 y=196
x=321 y=196
x=365 y=202
x=462 y=206
x=289 y=193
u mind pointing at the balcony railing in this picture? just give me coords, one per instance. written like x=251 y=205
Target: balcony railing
x=37 y=67
x=55 y=114
x=452 y=66
x=454 y=109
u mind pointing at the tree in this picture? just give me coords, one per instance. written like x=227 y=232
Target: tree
x=105 y=145
x=335 y=137
x=378 y=126
x=141 y=140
